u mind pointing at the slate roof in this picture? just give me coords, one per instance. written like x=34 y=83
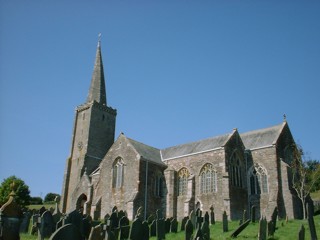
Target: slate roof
x=147 y=152
x=195 y=147
x=262 y=137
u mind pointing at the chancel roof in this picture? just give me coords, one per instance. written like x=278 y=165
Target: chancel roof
x=147 y=152
x=262 y=137
x=195 y=147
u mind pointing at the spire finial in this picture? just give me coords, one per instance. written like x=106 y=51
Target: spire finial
x=284 y=117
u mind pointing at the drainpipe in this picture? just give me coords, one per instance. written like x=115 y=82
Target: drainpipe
x=146 y=192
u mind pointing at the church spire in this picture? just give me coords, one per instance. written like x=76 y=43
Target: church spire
x=97 y=91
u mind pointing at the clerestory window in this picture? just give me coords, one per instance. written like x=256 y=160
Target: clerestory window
x=117 y=173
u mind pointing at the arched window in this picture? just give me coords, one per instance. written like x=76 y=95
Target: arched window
x=258 y=180
x=235 y=171
x=183 y=175
x=158 y=185
x=208 y=179
x=117 y=173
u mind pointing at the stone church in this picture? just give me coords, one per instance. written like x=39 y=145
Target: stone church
x=231 y=172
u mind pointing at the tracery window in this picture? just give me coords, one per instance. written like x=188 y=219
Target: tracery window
x=258 y=180
x=183 y=175
x=208 y=179
x=158 y=185
x=235 y=171
x=117 y=173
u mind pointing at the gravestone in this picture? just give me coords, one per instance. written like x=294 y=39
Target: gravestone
x=56 y=213
x=145 y=231
x=96 y=233
x=167 y=225
x=60 y=223
x=10 y=215
x=253 y=214
x=124 y=228
x=206 y=217
x=68 y=231
x=153 y=228
x=274 y=218
x=136 y=230
x=301 y=234
x=24 y=226
x=205 y=230
x=151 y=218
x=212 y=218
x=34 y=222
x=271 y=228
x=199 y=224
x=114 y=220
x=174 y=226
x=244 y=216
x=161 y=229
x=225 y=221
x=121 y=214
x=47 y=225
x=75 y=217
x=183 y=223
x=192 y=217
x=188 y=230
x=86 y=223
x=106 y=218
x=42 y=210
x=262 y=235
x=310 y=212
x=240 y=228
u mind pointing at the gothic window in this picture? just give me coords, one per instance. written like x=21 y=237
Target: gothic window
x=236 y=171
x=183 y=175
x=117 y=173
x=258 y=180
x=158 y=185
x=208 y=179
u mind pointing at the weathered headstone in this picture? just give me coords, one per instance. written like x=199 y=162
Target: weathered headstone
x=262 y=235
x=225 y=221
x=174 y=226
x=124 y=228
x=42 y=210
x=145 y=231
x=153 y=228
x=121 y=214
x=106 y=218
x=161 y=229
x=183 y=223
x=188 y=230
x=114 y=220
x=205 y=230
x=212 y=218
x=151 y=218
x=136 y=230
x=75 y=217
x=240 y=228
x=96 y=233
x=192 y=217
x=86 y=223
x=10 y=215
x=301 y=234
x=24 y=226
x=167 y=224
x=271 y=228
x=199 y=224
x=68 y=231
x=56 y=213
x=274 y=218
x=244 y=216
x=310 y=212
x=253 y=214
x=47 y=225
x=206 y=217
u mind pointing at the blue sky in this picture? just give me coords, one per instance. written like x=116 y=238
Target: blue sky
x=176 y=71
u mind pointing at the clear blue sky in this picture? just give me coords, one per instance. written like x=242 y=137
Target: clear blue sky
x=176 y=71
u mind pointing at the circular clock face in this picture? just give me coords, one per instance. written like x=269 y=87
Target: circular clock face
x=80 y=145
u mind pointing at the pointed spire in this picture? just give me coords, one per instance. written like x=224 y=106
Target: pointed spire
x=97 y=91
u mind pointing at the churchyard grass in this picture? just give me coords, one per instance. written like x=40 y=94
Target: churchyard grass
x=46 y=205
x=284 y=231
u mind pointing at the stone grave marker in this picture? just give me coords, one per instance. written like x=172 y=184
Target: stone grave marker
x=253 y=214
x=145 y=231
x=161 y=229
x=114 y=220
x=183 y=223
x=310 y=212
x=24 y=226
x=151 y=218
x=225 y=221
x=244 y=216
x=274 y=218
x=199 y=225
x=68 y=231
x=42 y=210
x=205 y=230
x=167 y=225
x=188 y=230
x=124 y=228
x=106 y=218
x=301 y=233
x=75 y=217
x=212 y=218
x=34 y=227
x=56 y=213
x=174 y=226
x=206 y=217
x=46 y=226
x=240 y=228
x=262 y=235
x=271 y=228
x=192 y=217
x=96 y=233
x=10 y=215
x=121 y=214
x=153 y=228
x=86 y=223
x=136 y=230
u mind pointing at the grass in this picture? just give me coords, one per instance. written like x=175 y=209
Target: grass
x=284 y=230
x=315 y=195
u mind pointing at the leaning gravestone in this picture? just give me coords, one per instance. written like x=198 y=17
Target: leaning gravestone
x=136 y=230
x=68 y=231
x=189 y=230
x=96 y=233
x=174 y=226
x=240 y=228
x=75 y=217
x=10 y=215
x=262 y=235
x=47 y=225
x=225 y=221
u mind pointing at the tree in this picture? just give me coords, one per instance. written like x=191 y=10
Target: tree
x=50 y=197
x=36 y=200
x=304 y=176
x=21 y=190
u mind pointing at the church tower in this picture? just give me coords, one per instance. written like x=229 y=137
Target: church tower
x=93 y=135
